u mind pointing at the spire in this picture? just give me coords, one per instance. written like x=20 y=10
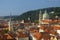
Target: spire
x=45 y=11
x=9 y=22
x=10 y=17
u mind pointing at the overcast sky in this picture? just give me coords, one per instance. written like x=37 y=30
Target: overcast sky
x=17 y=7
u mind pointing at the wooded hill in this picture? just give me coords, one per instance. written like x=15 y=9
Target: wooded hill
x=34 y=14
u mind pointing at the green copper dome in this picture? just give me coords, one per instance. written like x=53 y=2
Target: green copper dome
x=45 y=15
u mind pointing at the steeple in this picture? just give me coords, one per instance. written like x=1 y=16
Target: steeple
x=40 y=17
x=9 y=23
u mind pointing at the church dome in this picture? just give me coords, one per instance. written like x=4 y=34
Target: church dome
x=45 y=15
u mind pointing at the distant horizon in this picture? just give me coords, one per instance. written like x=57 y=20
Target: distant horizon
x=27 y=11
x=17 y=7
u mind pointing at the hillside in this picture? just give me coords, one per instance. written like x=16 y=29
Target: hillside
x=34 y=14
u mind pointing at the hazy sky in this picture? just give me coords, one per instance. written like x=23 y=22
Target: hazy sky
x=16 y=7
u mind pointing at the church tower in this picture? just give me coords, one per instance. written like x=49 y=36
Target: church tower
x=10 y=24
x=40 y=17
